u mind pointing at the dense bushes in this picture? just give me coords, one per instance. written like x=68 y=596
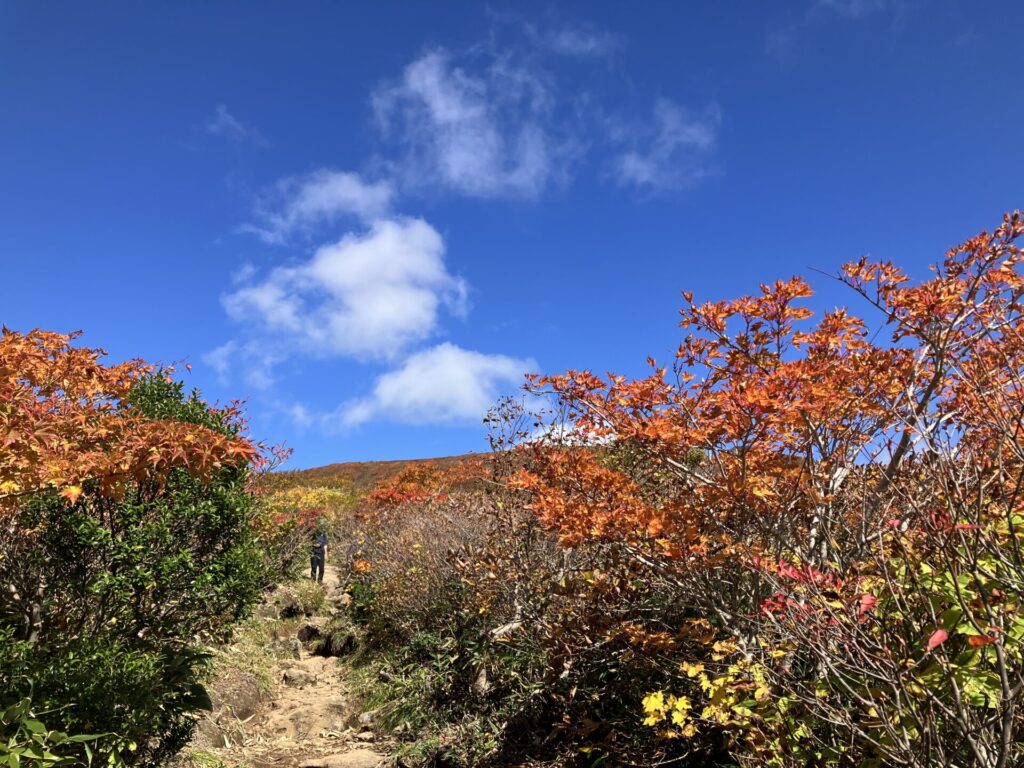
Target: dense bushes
x=849 y=543
x=109 y=587
x=800 y=546
x=491 y=643
x=290 y=513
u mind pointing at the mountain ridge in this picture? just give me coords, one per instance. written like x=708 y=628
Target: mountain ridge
x=359 y=475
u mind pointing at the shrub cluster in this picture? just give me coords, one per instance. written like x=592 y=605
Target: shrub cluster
x=290 y=513
x=109 y=590
x=487 y=642
x=800 y=545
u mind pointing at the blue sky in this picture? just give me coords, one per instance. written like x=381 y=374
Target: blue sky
x=368 y=220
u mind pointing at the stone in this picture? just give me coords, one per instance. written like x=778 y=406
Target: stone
x=288 y=604
x=357 y=758
x=336 y=643
x=309 y=633
x=208 y=734
x=289 y=647
x=481 y=685
x=365 y=736
x=267 y=611
x=298 y=678
x=367 y=718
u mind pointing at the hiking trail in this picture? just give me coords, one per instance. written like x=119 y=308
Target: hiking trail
x=308 y=718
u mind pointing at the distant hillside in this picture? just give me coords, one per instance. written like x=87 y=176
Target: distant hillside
x=359 y=475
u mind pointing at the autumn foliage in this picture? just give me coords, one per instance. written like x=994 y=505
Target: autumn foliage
x=855 y=507
x=422 y=482
x=64 y=424
x=797 y=544
x=291 y=514
x=127 y=538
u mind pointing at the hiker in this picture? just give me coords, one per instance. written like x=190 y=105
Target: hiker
x=318 y=559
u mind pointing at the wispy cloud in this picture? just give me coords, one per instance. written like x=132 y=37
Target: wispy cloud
x=369 y=295
x=579 y=40
x=484 y=134
x=220 y=360
x=252 y=362
x=782 y=41
x=853 y=9
x=224 y=124
x=670 y=151
x=298 y=204
x=441 y=385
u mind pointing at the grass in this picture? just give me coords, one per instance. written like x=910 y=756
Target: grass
x=402 y=691
x=198 y=758
x=310 y=594
x=249 y=653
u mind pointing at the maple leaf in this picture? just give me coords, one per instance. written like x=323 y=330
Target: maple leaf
x=71 y=493
x=66 y=416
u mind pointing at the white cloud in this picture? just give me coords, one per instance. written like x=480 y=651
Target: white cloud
x=485 y=135
x=579 y=41
x=672 y=151
x=369 y=295
x=300 y=415
x=298 y=204
x=224 y=124
x=441 y=385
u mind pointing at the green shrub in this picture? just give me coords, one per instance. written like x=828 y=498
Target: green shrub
x=124 y=591
x=26 y=741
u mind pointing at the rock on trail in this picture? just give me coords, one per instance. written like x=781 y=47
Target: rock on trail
x=356 y=758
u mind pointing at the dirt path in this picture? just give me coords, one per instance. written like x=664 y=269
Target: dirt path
x=308 y=719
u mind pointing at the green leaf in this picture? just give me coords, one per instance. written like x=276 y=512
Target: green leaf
x=34 y=726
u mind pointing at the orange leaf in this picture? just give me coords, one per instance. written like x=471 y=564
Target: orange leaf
x=980 y=641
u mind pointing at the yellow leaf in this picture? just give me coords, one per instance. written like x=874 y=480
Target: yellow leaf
x=692 y=670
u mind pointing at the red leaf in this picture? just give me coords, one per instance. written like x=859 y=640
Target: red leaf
x=938 y=637
x=867 y=603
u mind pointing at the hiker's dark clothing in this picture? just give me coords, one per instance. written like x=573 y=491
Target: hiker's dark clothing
x=317 y=560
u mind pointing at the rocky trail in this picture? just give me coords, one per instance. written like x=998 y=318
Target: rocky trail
x=307 y=718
